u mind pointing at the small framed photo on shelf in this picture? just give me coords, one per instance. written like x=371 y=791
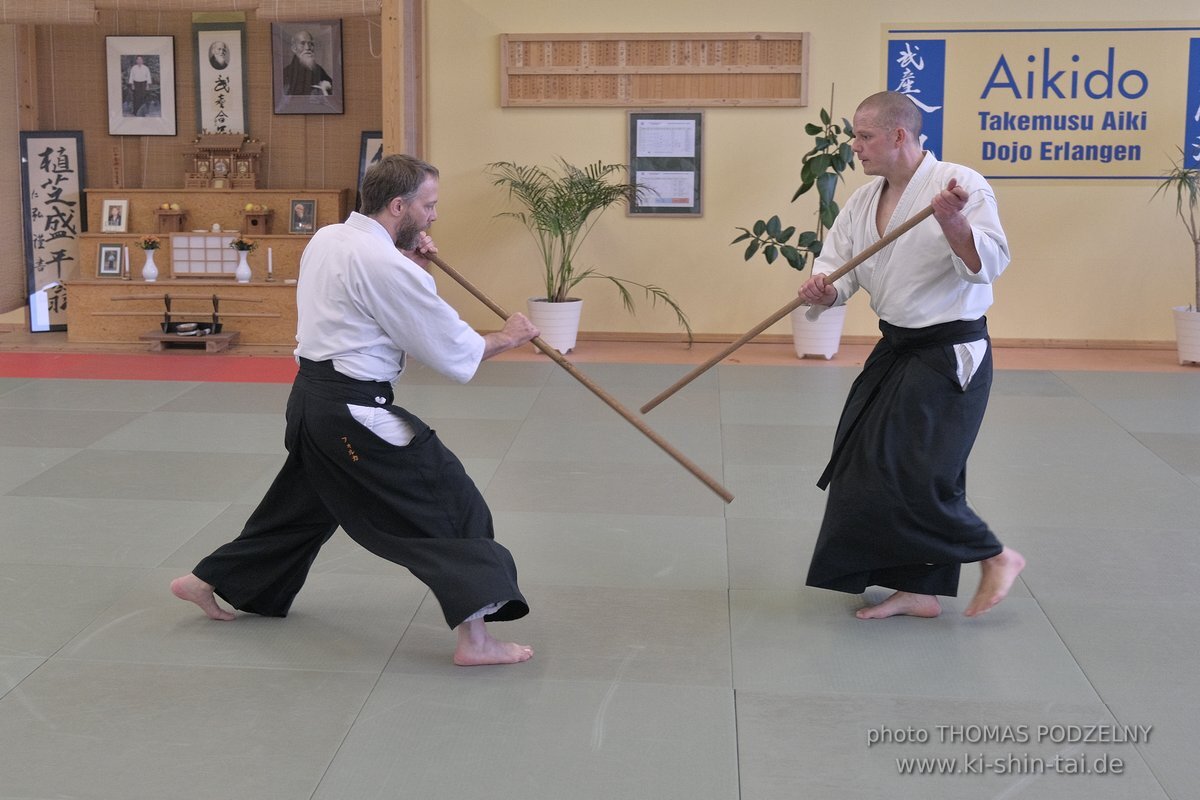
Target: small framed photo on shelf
x=115 y=216
x=302 y=216
x=109 y=261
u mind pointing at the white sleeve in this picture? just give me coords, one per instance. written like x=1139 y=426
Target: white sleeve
x=990 y=241
x=404 y=302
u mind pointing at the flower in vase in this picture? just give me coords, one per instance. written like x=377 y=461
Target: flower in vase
x=149 y=242
x=243 y=244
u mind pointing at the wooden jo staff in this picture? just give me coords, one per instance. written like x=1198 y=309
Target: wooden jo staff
x=612 y=403
x=789 y=308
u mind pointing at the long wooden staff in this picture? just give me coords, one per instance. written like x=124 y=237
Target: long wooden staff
x=612 y=403
x=789 y=308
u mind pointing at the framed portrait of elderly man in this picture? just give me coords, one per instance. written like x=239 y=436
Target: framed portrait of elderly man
x=141 y=85
x=306 y=60
x=303 y=216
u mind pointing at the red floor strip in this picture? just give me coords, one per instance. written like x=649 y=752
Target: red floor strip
x=149 y=367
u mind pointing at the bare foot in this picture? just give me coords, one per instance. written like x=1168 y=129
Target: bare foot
x=477 y=647
x=999 y=572
x=192 y=589
x=902 y=603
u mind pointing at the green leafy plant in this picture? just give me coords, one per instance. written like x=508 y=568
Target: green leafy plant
x=559 y=207
x=1184 y=183
x=820 y=168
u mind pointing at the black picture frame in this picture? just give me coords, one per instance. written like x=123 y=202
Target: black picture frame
x=369 y=151
x=140 y=108
x=665 y=160
x=302 y=216
x=319 y=89
x=54 y=217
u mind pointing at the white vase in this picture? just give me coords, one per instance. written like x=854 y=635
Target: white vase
x=149 y=270
x=1187 y=334
x=557 y=322
x=819 y=337
x=242 y=273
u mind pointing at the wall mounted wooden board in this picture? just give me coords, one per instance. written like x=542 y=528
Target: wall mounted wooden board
x=654 y=69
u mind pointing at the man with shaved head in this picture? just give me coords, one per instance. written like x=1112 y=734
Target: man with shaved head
x=897 y=513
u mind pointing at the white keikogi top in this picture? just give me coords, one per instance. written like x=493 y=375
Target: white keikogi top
x=363 y=304
x=917 y=281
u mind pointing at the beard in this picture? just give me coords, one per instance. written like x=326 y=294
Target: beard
x=307 y=58
x=406 y=236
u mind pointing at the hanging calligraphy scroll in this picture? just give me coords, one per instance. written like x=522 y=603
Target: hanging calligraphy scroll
x=221 y=101
x=52 y=173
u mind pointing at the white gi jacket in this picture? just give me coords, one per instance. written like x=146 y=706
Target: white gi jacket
x=917 y=281
x=363 y=304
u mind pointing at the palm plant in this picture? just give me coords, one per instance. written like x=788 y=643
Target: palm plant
x=559 y=209
x=1184 y=183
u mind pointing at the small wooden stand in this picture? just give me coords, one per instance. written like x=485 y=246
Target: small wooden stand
x=169 y=221
x=258 y=223
x=213 y=342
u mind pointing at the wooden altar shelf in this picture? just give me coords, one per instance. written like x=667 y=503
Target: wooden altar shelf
x=654 y=69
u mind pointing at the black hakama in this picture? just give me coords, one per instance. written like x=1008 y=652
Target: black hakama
x=897 y=513
x=413 y=505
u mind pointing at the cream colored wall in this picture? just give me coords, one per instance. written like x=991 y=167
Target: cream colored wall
x=1092 y=261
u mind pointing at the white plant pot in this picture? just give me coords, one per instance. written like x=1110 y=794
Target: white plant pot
x=558 y=322
x=819 y=337
x=1187 y=334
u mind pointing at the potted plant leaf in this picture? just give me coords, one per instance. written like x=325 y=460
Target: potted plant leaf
x=559 y=206
x=820 y=168
x=1184 y=183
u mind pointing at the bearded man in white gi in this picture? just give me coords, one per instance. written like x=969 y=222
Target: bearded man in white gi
x=897 y=514
x=364 y=301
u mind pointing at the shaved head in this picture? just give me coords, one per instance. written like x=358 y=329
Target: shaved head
x=891 y=110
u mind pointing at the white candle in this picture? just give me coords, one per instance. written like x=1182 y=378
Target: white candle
x=126 y=259
x=268 y=261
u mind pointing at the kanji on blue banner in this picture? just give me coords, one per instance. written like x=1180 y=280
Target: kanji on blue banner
x=917 y=68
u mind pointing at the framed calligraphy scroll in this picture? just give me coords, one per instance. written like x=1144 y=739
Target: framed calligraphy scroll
x=221 y=98
x=141 y=85
x=52 y=172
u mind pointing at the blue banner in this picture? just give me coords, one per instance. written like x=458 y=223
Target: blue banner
x=1191 y=135
x=917 y=68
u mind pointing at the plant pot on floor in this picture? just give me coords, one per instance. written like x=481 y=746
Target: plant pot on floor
x=1187 y=334
x=558 y=322
x=819 y=337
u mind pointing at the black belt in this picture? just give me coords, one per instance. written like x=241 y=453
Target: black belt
x=321 y=379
